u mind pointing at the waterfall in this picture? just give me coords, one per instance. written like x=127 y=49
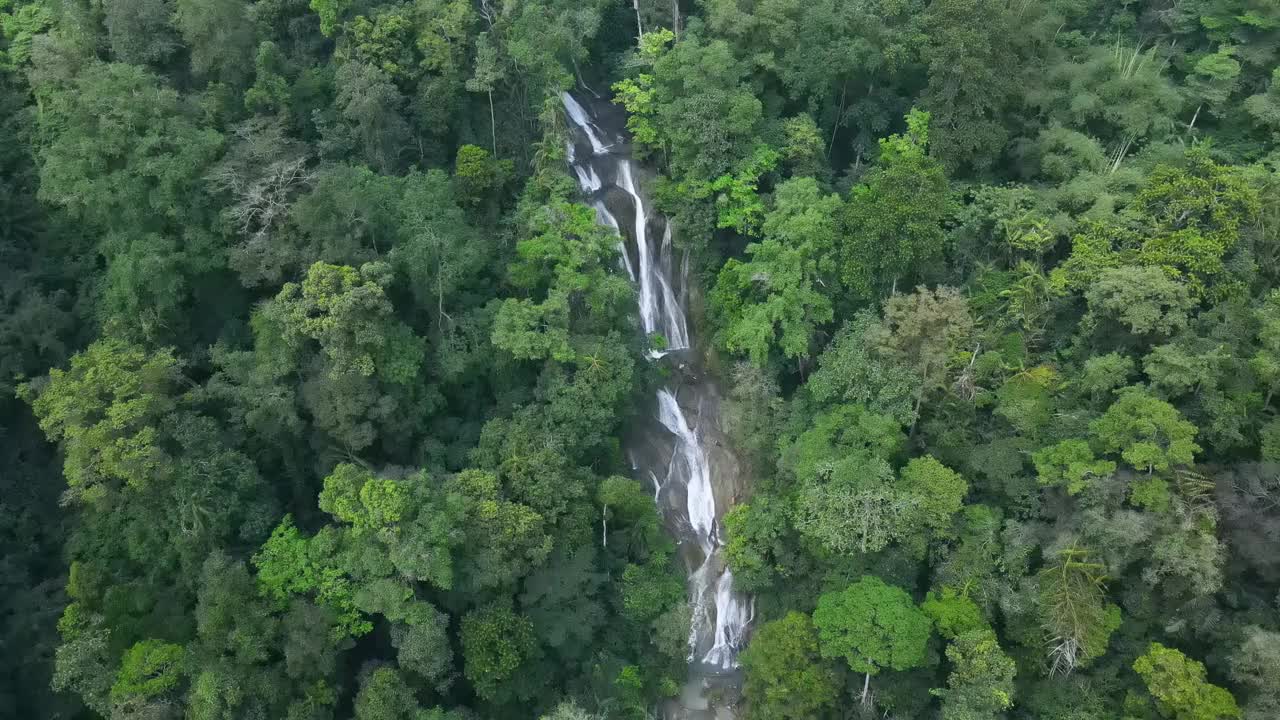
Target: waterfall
x=580 y=120
x=694 y=468
x=721 y=615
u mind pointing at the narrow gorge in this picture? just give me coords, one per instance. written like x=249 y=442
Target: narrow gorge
x=681 y=450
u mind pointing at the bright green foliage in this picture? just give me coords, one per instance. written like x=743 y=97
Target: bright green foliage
x=290 y=564
x=758 y=534
x=873 y=626
x=354 y=496
x=347 y=312
x=564 y=265
x=953 y=613
x=980 y=686
x=329 y=11
x=108 y=410
x=777 y=300
x=1186 y=222
x=19 y=27
x=703 y=113
x=787 y=679
x=495 y=642
x=479 y=174
x=1197 y=214
x=940 y=492
x=1071 y=464
x=637 y=94
x=149 y=671
x=1149 y=433
x=1179 y=686
x=738 y=204
x=1151 y=493
x=894 y=217
x=844 y=434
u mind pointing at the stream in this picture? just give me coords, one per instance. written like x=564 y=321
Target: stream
x=681 y=450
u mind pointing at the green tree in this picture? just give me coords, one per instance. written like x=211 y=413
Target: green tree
x=1143 y=299
x=562 y=269
x=496 y=642
x=872 y=626
x=924 y=331
x=139 y=31
x=787 y=678
x=1179 y=687
x=894 y=217
x=970 y=79
x=1149 y=433
x=123 y=153
x=1071 y=464
x=703 y=111
x=1266 y=361
x=952 y=613
x=852 y=370
x=370 y=107
x=777 y=299
x=980 y=685
x=384 y=695
x=219 y=36
x=150 y=671
x=108 y=410
x=941 y=492
x=650 y=589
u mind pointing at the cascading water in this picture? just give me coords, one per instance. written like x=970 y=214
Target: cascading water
x=694 y=476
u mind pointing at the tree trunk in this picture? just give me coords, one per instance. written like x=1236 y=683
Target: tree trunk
x=493 y=126
x=866 y=688
x=835 y=127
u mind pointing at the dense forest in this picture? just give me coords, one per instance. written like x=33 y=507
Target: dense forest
x=316 y=372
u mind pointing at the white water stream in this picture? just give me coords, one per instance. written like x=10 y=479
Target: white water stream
x=607 y=175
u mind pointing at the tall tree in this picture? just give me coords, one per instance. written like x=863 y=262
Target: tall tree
x=872 y=626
